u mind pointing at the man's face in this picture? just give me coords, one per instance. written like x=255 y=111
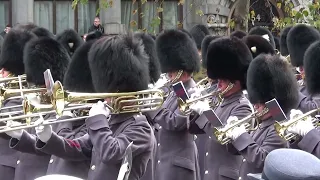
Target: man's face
x=7 y=29
x=96 y=22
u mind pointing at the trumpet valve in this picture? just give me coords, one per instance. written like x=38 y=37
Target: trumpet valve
x=280 y=129
x=219 y=134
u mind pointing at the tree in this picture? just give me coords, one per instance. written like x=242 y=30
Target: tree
x=307 y=15
x=241 y=15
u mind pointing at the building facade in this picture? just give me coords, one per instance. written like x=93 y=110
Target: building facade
x=57 y=15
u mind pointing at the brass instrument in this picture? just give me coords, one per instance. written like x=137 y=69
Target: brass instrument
x=282 y=127
x=13 y=82
x=140 y=101
x=166 y=86
x=204 y=83
x=185 y=106
x=249 y=123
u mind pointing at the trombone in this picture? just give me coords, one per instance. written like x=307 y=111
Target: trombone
x=185 y=106
x=128 y=102
x=221 y=132
x=282 y=127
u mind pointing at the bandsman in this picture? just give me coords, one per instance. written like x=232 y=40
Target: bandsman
x=265 y=33
x=113 y=61
x=227 y=61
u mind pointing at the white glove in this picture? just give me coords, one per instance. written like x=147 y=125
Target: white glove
x=302 y=127
x=200 y=107
x=196 y=93
x=44 y=132
x=232 y=119
x=14 y=134
x=236 y=132
x=99 y=108
x=294 y=113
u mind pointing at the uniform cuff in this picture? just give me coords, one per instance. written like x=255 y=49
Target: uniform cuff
x=243 y=141
x=309 y=141
x=25 y=141
x=97 y=122
x=50 y=145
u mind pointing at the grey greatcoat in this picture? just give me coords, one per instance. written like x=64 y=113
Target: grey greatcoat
x=8 y=156
x=178 y=156
x=309 y=143
x=105 y=145
x=219 y=163
x=69 y=130
x=255 y=147
x=30 y=165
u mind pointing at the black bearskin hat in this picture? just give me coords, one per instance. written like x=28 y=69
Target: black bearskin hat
x=283 y=41
x=204 y=48
x=276 y=42
x=119 y=64
x=70 y=39
x=42 y=32
x=12 y=51
x=153 y=36
x=177 y=51
x=299 y=38
x=271 y=77
x=239 y=34
x=93 y=35
x=262 y=31
x=150 y=49
x=258 y=45
x=78 y=76
x=228 y=58
x=42 y=54
x=185 y=31
x=312 y=68
x=198 y=33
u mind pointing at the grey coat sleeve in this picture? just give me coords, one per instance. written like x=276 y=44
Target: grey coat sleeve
x=308 y=103
x=26 y=144
x=74 y=150
x=171 y=119
x=255 y=153
x=112 y=149
x=311 y=142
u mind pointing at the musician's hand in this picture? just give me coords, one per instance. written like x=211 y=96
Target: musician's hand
x=99 y=108
x=231 y=120
x=302 y=127
x=44 y=132
x=200 y=107
x=295 y=113
x=14 y=134
x=236 y=132
x=196 y=92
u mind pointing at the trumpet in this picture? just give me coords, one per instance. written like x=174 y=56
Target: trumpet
x=249 y=123
x=140 y=101
x=185 y=106
x=282 y=127
x=13 y=82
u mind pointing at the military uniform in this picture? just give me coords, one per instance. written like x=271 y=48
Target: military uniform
x=178 y=155
x=227 y=58
x=109 y=136
x=8 y=156
x=268 y=77
x=11 y=59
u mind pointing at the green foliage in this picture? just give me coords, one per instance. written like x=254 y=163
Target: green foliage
x=307 y=15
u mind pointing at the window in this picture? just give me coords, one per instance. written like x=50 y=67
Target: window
x=136 y=15
x=58 y=15
x=5 y=14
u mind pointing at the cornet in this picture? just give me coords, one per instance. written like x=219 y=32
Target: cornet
x=140 y=101
x=249 y=123
x=185 y=106
x=282 y=127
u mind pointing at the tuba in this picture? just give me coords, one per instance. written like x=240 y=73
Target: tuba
x=249 y=123
x=282 y=127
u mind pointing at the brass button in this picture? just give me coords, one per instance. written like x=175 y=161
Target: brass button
x=93 y=167
x=206 y=172
x=160 y=127
x=240 y=178
x=244 y=160
x=158 y=144
x=51 y=161
x=158 y=161
x=209 y=137
x=18 y=162
x=207 y=153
